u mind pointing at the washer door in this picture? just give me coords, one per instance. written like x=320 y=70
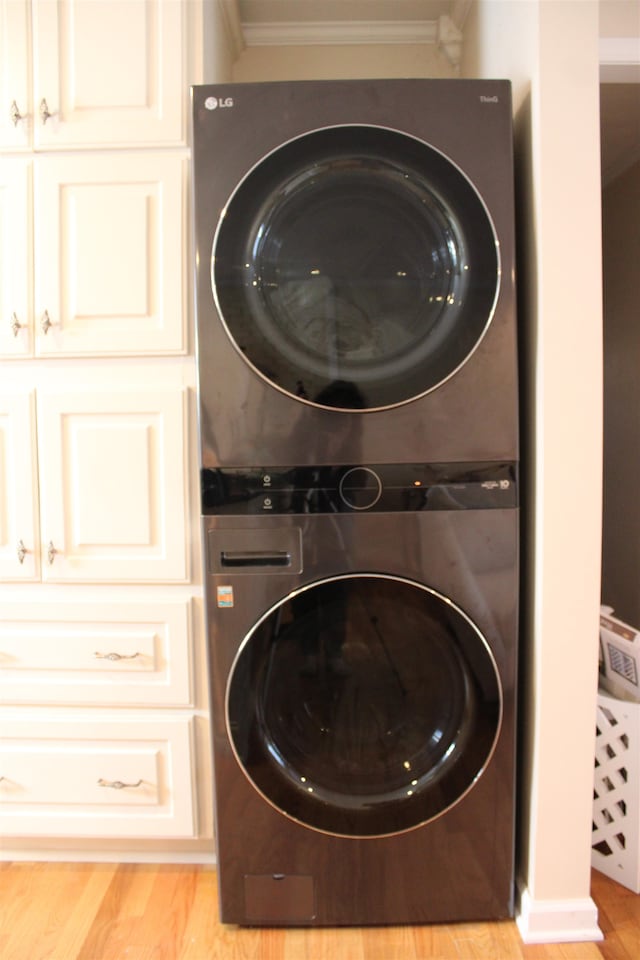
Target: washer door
x=364 y=705
x=355 y=268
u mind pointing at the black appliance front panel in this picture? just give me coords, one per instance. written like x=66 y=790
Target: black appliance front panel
x=364 y=705
x=458 y=863
x=354 y=250
x=344 y=489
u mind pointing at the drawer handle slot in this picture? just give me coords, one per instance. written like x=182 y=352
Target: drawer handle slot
x=117 y=784
x=255 y=558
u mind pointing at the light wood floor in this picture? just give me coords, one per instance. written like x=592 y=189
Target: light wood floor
x=134 y=912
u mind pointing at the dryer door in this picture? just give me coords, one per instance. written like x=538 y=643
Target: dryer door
x=364 y=705
x=355 y=268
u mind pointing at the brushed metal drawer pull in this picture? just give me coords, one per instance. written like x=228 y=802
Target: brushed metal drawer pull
x=51 y=552
x=117 y=784
x=15 y=114
x=116 y=656
x=15 y=324
x=22 y=552
x=45 y=113
x=45 y=322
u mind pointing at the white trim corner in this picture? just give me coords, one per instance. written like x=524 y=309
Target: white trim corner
x=557 y=921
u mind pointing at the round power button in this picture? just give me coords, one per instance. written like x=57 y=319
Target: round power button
x=360 y=488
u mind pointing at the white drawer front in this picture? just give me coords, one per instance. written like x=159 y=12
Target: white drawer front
x=97 y=778
x=103 y=653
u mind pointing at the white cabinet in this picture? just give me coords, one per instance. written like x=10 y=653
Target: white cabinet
x=97 y=653
x=107 y=275
x=16 y=326
x=111 y=469
x=87 y=73
x=15 y=74
x=102 y=696
x=19 y=528
x=98 y=727
x=92 y=774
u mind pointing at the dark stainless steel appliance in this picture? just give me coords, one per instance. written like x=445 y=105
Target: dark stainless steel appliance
x=359 y=454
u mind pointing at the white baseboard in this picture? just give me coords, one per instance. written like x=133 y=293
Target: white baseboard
x=557 y=921
x=108 y=856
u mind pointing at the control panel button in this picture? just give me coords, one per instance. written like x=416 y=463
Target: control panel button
x=360 y=488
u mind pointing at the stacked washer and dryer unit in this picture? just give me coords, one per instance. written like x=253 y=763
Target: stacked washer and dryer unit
x=359 y=464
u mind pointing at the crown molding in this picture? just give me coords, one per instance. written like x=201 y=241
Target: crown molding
x=335 y=33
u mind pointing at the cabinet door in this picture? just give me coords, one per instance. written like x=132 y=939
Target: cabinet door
x=15 y=63
x=19 y=538
x=108 y=73
x=109 y=255
x=113 y=502
x=15 y=258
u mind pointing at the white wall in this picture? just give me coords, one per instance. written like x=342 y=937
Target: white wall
x=619 y=18
x=550 y=52
x=340 y=62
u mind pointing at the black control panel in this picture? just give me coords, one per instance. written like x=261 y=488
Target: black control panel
x=389 y=488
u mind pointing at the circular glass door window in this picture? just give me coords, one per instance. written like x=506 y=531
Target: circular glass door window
x=364 y=705
x=355 y=268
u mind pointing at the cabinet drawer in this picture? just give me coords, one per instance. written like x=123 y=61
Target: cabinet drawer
x=96 y=777
x=96 y=653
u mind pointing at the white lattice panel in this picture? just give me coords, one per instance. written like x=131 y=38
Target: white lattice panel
x=616 y=794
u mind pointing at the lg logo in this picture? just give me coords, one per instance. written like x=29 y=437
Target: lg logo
x=212 y=103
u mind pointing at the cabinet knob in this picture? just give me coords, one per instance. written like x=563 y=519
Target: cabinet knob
x=15 y=324
x=15 y=114
x=45 y=322
x=21 y=551
x=51 y=552
x=44 y=111
x=117 y=784
x=115 y=656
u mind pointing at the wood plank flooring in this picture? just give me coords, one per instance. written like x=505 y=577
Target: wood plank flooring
x=147 y=912
x=618 y=917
